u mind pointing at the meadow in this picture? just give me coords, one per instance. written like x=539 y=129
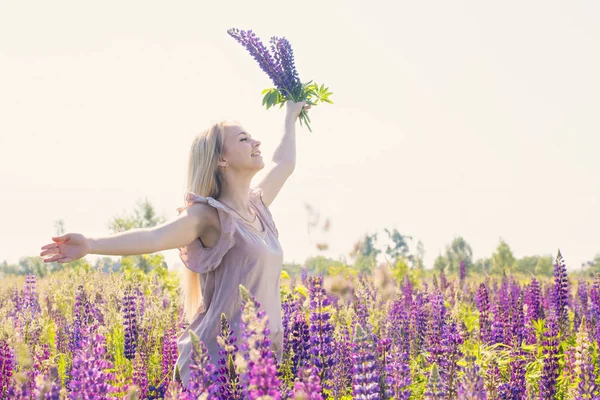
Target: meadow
x=81 y=333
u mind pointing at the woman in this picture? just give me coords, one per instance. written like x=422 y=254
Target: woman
x=225 y=234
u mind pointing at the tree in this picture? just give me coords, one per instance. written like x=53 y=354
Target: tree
x=441 y=264
x=365 y=254
x=400 y=248
x=503 y=259
x=459 y=250
x=143 y=216
x=418 y=264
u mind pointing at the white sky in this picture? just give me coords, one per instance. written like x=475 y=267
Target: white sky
x=465 y=118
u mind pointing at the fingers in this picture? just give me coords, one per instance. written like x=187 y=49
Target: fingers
x=53 y=250
x=62 y=238
x=50 y=246
x=54 y=258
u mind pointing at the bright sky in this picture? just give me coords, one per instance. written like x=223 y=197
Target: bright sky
x=468 y=118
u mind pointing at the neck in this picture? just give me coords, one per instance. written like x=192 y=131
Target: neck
x=235 y=192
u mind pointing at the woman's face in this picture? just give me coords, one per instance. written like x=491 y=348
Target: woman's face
x=239 y=147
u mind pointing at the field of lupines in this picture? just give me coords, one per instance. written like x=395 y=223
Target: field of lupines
x=82 y=334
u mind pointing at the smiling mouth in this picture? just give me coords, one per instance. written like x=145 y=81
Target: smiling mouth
x=256 y=154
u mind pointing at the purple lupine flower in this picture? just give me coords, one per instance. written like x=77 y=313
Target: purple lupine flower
x=407 y=292
x=7 y=366
x=203 y=373
x=140 y=374
x=80 y=320
x=284 y=57
x=130 y=324
x=307 y=386
x=289 y=307
x=41 y=355
x=435 y=282
x=365 y=380
x=515 y=388
x=443 y=282
x=229 y=385
x=398 y=375
x=517 y=322
x=255 y=361
x=260 y=53
x=169 y=351
x=435 y=388
x=498 y=329
x=587 y=387
x=49 y=388
x=299 y=342
x=435 y=328
x=594 y=307
x=418 y=324
x=533 y=301
x=18 y=390
x=304 y=275
x=321 y=330
x=449 y=355
x=550 y=351
x=471 y=386
x=560 y=294
x=492 y=379
x=383 y=349
x=30 y=297
x=483 y=304
x=398 y=325
x=342 y=365
x=462 y=271
x=89 y=378
x=581 y=304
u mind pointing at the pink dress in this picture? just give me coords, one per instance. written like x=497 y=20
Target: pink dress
x=243 y=255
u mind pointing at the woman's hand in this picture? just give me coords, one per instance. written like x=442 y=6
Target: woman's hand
x=68 y=247
x=294 y=109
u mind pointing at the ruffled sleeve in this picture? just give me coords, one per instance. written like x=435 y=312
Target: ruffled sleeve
x=205 y=259
x=256 y=197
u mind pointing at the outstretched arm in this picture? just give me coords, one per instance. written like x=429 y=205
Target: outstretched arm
x=193 y=222
x=284 y=158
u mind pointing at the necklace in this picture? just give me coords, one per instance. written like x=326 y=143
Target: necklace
x=241 y=215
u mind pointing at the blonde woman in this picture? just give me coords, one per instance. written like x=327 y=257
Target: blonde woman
x=225 y=233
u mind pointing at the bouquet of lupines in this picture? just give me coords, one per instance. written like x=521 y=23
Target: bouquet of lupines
x=280 y=67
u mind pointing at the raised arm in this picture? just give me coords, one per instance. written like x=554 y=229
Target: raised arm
x=194 y=222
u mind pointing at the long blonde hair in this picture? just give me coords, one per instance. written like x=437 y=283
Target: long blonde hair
x=203 y=178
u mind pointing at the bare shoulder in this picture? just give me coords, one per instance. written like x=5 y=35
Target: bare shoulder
x=208 y=222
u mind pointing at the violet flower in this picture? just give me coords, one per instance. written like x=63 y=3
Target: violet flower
x=483 y=304
x=203 y=374
x=560 y=294
x=130 y=323
x=89 y=377
x=229 y=384
x=308 y=385
x=471 y=385
x=434 y=389
x=255 y=362
x=398 y=375
x=7 y=366
x=550 y=351
x=365 y=380
x=321 y=330
x=140 y=374
x=169 y=351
